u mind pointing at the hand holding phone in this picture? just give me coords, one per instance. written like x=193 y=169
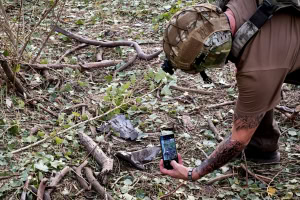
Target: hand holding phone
x=168 y=148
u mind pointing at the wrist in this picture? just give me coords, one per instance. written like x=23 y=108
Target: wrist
x=192 y=175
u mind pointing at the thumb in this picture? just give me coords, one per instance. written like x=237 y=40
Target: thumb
x=174 y=164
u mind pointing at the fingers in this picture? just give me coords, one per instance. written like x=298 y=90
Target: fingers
x=162 y=168
x=174 y=164
x=180 y=161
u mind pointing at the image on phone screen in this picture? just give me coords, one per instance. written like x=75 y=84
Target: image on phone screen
x=168 y=146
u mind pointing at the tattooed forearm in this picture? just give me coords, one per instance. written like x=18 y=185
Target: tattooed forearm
x=225 y=151
x=247 y=122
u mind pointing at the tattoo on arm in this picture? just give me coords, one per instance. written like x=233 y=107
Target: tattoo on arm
x=247 y=122
x=225 y=151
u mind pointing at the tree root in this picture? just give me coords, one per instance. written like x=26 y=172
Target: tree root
x=105 y=162
x=128 y=64
x=96 y=185
x=25 y=188
x=55 y=181
x=219 y=178
x=41 y=190
x=137 y=47
x=81 y=46
x=214 y=130
x=191 y=90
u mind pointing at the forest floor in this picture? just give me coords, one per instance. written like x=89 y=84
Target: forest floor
x=153 y=107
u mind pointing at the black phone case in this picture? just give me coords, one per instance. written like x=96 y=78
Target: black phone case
x=167 y=163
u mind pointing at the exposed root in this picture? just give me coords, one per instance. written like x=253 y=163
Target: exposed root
x=81 y=180
x=41 y=190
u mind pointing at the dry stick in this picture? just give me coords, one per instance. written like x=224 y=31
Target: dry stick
x=222 y=104
x=99 y=56
x=48 y=111
x=254 y=175
x=25 y=188
x=219 y=178
x=74 y=107
x=137 y=47
x=81 y=46
x=55 y=181
x=105 y=162
x=128 y=64
x=49 y=34
x=81 y=180
x=13 y=79
x=214 y=130
x=247 y=174
x=92 y=65
x=41 y=190
x=96 y=185
x=169 y=194
x=76 y=125
x=191 y=90
x=28 y=37
x=38 y=127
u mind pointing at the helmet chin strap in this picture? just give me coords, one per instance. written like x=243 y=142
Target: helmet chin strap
x=205 y=78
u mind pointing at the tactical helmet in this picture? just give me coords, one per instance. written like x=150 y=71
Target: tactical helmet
x=196 y=38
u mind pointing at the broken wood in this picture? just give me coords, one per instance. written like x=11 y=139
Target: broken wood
x=25 y=188
x=55 y=181
x=105 y=162
x=264 y=181
x=220 y=178
x=99 y=56
x=96 y=185
x=214 y=130
x=137 y=47
x=222 y=104
x=126 y=65
x=41 y=190
x=191 y=90
x=87 y=66
x=81 y=46
x=81 y=180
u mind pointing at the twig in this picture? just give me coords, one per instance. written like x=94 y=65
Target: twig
x=48 y=111
x=81 y=180
x=99 y=56
x=74 y=107
x=96 y=185
x=191 y=90
x=252 y=174
x=222 y=104
x=246 y=166
x=28 y=37
x=137 y=47
x=81 y=46
x=25 y=188
x=214 y=130
x=38 y=127
x=92 y=65
x=76 y=125
x=126 y=65
x=170 y=193
x=219 y=178
x=42 y=187
x=55 y=181
x=277 y=174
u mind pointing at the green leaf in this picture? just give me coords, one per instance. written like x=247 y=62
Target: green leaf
x=41 y=133
x=79 y=22
x=109 y=78
x=58 y=140
x=14 y=129
x=6 y=53
x=159 y=76
x=44 y=61
x=166 y=91
x=31 y=139
x=292 y=133
x=41 y=166
x=21 y=104
x=128 y=181
x=17 y=68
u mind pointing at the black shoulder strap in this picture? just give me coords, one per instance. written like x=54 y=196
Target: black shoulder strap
x=252 y=26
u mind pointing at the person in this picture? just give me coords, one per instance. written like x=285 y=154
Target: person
x=270 y=58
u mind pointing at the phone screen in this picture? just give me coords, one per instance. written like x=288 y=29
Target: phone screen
x=168 y=148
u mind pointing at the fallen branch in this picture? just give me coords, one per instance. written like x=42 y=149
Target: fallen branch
x=128 y=64
x=220 y=178
x=105 y=162
x=137 y=47
x=214 y=130
x=41 y=190
x=222 y=104
x=96 y=185
x=99 y=56
x=81 y=180
x=81 y=46
x=170 y=193
x=191 y=90
x=254 y=175
x=55 y=181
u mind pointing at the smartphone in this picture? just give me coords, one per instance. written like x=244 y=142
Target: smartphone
x=168 y=149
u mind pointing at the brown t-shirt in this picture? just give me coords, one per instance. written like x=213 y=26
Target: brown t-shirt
x=267 y=59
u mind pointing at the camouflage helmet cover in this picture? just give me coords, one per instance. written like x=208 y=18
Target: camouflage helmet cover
x=197 y=37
